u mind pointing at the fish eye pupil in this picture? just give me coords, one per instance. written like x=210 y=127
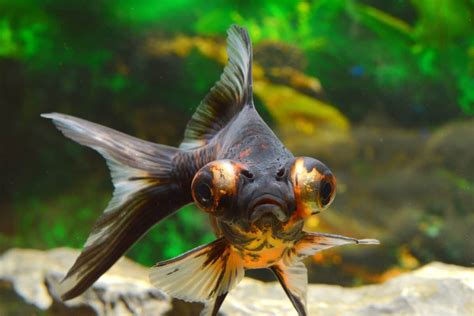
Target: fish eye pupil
x=204 y=192
x=325 y=193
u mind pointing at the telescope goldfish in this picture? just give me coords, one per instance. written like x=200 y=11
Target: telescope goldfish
x=234 y=168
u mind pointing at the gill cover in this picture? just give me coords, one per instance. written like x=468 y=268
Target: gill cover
x=214 y=186
x=313 y=184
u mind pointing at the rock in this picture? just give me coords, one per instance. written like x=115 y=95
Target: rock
x=34 y=274
x=436 y=289
x=28 y=278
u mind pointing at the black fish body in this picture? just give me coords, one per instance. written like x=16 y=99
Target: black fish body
x=232 y=165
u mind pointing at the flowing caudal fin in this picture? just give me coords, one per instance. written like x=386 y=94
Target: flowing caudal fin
x=204 y=274
x=293 y=277
x=144 y=194
x=292 y=273
x=228 y=96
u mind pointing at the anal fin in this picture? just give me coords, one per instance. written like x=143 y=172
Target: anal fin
x=204 y=274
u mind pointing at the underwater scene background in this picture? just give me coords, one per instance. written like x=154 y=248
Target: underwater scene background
x=381 y=91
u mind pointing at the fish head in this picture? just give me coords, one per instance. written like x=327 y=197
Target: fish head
x=266 y=197
x=281 y=196
x=239 y=193
x=250 y=196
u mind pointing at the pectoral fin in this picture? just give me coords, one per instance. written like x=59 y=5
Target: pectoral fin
x=291 y=271
x=312 y=243
x=294 y=280
x=204 y=274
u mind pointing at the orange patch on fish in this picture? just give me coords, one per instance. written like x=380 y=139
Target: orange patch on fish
x=220 y=179
x=263 y=251
x=305 y=195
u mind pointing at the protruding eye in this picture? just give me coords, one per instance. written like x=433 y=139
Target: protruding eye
x=325 y=192
x=313 y=184
x=214 y=186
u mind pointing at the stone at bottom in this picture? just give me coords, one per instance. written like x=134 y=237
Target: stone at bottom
x=28 y=278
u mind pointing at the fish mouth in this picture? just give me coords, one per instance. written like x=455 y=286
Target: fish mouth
x=268 y=207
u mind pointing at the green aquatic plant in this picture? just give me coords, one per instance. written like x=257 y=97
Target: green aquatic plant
x=410 y=61
x=414 y=45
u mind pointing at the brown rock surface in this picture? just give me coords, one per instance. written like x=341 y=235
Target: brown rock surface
x=27 y=279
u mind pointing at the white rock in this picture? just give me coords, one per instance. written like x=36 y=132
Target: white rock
x=436 y=289
x=123 y=290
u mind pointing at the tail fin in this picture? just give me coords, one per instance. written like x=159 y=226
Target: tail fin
x=204 y=274
x=144 y=194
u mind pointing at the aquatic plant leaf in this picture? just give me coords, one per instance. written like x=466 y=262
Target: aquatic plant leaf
x=300 y=115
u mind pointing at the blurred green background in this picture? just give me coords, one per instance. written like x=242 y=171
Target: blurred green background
x=381 y=91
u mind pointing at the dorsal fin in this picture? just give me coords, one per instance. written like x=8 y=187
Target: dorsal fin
x=228 y=96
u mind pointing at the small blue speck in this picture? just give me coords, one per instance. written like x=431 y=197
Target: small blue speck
x=357 y=71
x=418 y=108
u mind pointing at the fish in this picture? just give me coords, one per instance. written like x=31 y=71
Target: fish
x=233 y=167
